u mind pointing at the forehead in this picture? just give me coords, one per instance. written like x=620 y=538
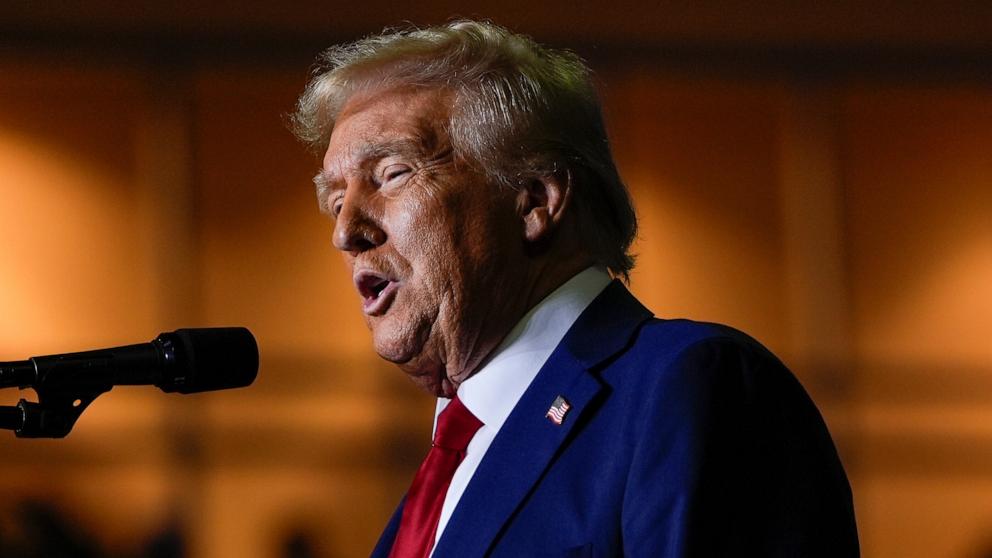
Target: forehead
x=371 y=119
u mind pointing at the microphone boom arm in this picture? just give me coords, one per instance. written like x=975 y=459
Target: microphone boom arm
x=66 y=385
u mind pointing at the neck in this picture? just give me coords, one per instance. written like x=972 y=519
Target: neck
x=549 y=279
x=540 y=282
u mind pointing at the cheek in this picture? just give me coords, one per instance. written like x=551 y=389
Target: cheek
x=425 y=234
x=455 y=238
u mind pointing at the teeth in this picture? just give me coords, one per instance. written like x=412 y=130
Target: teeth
x=379 y=287
x=371 y=285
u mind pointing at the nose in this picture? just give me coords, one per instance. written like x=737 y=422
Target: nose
x=356 y=229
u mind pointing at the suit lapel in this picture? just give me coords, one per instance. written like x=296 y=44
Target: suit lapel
x=529 y=441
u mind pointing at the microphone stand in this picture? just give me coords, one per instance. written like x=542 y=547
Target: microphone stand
x=58 y=407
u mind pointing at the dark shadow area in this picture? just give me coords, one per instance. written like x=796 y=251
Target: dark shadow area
x=37 y=529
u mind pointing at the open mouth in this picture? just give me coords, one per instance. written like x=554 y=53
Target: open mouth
x=376 y=291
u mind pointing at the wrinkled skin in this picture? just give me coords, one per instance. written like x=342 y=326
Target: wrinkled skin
x=454 y=248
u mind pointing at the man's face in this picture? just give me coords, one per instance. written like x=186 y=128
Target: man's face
x=435 y=250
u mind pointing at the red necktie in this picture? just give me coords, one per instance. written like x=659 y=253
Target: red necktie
x=455 y=427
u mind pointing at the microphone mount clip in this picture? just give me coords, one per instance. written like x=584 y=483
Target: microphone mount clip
x=59 y=404
x=56 y=411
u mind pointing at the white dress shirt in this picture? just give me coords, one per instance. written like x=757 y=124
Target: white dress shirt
x=493 y=391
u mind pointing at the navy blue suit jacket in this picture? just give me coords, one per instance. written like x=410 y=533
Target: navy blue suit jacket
x=683 y=439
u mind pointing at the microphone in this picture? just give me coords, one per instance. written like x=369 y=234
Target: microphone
x=183 y=361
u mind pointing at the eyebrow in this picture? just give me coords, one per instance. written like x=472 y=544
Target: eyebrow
x=322 y=180
x=413 y=148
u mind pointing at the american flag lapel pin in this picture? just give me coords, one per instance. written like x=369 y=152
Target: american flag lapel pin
x=559 y=408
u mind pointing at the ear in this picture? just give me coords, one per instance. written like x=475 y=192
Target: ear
x=542 y=203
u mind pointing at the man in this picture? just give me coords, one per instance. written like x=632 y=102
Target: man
x=477 y=204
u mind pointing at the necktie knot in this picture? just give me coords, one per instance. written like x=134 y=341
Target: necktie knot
x=456 y=426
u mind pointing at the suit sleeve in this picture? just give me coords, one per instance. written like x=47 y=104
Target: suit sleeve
x=732 y=458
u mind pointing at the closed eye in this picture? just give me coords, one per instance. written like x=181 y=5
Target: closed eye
x=335 y=205
x=396 y=174
x=393 y=172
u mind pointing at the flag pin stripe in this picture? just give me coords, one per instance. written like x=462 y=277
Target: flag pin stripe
x=559 y=408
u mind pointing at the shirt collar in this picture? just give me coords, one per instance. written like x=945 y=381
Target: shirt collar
x=493 y=391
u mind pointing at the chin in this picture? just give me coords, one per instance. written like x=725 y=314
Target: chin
x=411 y=349
x=394 y=344
x=392 y=355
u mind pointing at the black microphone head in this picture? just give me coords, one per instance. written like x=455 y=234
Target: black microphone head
x=210 y=358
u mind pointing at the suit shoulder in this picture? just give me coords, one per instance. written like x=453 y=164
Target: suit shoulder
x=680 y=336
x=685 y=356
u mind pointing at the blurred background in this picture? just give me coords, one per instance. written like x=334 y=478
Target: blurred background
x=817 y=174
